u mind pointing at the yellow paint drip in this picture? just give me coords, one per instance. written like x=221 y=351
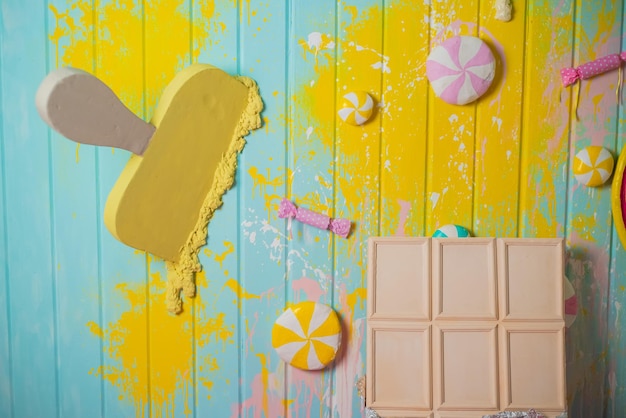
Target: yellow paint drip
x=230 y=248
x=239 y=291
x=181 y=272
x=265 y=382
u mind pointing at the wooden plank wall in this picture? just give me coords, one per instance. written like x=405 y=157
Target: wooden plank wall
x=83 y=326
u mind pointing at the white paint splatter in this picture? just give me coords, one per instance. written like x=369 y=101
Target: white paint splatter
x=498 y=121
x=434 y=198
x=309 y=131
x=381 y=64
x=388 y=165
x=314 y=40
x=453 y=118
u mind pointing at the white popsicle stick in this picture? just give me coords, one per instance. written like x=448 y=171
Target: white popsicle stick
x=82 y=108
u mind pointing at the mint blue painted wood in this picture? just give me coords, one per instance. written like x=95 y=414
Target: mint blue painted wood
x=75 y=237
x=117 y=263
x=6 y=391
x=33 y=312
x=589 y=267
x=262 y=268
x=222 y=52
x=616 y=368
x=311 y=161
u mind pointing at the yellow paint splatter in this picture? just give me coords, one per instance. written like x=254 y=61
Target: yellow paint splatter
x=95 y=329
x=220 y=257
x=584 y=226
x=357 y=148
x=169 y=349
x=230 y=248
x=234 y=285
x=114 y=46
x=136 y=48
x=261 y=181
x=265 y=382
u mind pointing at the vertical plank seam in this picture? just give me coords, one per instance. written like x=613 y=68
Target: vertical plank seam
x=473 y=208
x=53 y=252
x=520 y=148
x=94 y=22
x=193 y=301
x=241 y=304
x=571 y=121
x=429 y=131
x=146 y=255
x=521 y=188
x=613 y=275
x=334 y=163
x=5 y=222
x=288 y=31
x=380 y=130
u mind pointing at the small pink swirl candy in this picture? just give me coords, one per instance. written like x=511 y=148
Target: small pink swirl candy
x=288 y=209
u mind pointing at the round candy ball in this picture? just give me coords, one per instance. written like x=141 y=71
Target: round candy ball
x=357 y=107
x=451 y=231
x=307 y=335
x=593 y=165
x=461 y=69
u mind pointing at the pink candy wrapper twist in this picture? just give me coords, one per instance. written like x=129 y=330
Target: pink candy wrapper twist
x=288 y=209
x=601 y=65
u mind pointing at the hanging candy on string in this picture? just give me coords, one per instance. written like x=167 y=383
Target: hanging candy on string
x=288 y=209
x=602 y=65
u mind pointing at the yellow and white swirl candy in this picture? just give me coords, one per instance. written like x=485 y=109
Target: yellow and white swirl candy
x=357 y=108
x=307 y=335
x=593 y=166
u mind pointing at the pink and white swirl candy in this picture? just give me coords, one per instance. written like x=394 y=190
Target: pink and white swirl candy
x=288 y=209
x=461 y=69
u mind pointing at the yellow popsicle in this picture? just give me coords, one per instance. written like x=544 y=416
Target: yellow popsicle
x=184 y=159
x=164 y=199
x=156 y=201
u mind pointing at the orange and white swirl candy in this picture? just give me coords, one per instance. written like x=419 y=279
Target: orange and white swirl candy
x=307 y=335
x=357 y=108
